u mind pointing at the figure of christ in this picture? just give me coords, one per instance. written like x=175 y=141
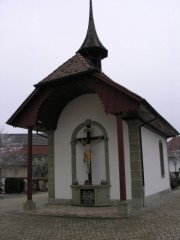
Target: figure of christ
x=87 y=151
x=87 y=154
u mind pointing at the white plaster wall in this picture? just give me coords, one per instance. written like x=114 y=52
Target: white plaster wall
x=81 y=169
x=153 y=181
x=87 y=106
x=98 y=166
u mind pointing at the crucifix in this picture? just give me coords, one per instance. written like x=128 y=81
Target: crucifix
x=87 y=143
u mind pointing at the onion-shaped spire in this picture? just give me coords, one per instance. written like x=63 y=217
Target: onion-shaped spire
x=92 y=48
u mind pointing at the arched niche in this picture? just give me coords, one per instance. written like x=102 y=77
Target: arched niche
x=90 y=194
x=88 y=124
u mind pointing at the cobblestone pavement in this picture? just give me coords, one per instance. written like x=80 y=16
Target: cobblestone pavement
x=161 y=220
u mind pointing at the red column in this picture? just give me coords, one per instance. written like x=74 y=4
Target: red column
x=122 y=178
x=29 y=165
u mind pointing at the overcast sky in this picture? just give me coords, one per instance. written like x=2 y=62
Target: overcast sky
x=142 y=38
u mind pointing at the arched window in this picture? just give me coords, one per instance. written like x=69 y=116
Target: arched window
x=161 y=155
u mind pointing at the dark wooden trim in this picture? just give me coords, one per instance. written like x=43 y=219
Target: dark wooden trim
x=29 y=168
x=122 y=177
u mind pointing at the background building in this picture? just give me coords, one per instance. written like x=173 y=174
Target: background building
x=174 y=154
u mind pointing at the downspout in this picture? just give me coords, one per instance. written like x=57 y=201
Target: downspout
x=142 y=161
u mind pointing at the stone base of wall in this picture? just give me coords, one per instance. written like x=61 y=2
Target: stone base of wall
x=150 y=199
x=124 y=208
x=117 y=208
x=59 y=201
x=29 y=205
x=136 y=204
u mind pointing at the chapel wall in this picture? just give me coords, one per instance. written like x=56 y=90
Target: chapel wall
x=154 y=182
x=85 y=107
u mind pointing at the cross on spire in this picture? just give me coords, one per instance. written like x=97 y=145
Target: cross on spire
x=92 y=48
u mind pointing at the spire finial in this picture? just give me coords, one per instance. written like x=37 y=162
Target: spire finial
x=92 y=48
x=90 y=9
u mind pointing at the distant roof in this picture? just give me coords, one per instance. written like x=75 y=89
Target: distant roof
x=174 y=146
x=37 y=150
x=23 y=139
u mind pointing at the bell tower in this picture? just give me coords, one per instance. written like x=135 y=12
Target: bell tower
x=92 y=48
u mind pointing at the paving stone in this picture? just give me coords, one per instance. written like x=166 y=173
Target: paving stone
x=160 y=221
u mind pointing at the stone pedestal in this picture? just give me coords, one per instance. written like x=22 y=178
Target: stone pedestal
x=91 y=195
x=29 y=205
x=124 y=208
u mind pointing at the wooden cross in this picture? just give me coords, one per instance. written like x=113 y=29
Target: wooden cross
x=87 y=154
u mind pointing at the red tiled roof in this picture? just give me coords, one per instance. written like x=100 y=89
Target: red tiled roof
x=174 y=144
x=36 y=150
x=40 y=150
x=75 y=65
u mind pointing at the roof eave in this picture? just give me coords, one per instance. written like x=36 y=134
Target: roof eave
x=174 y=132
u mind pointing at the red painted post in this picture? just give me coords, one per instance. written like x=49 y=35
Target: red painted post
x=29 y=169
x=122 y=177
